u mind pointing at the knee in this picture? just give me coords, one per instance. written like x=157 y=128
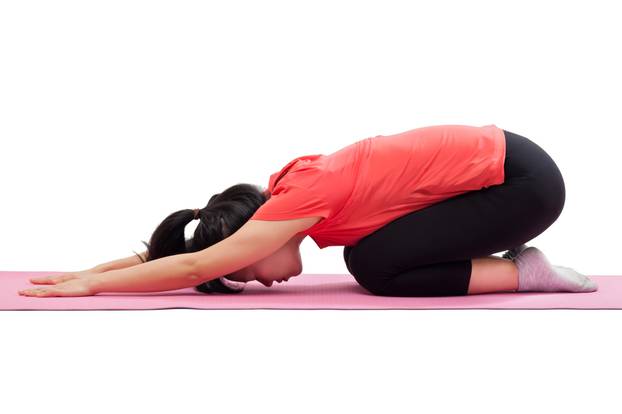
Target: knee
x=373 y=285
x=364 y=272
x=346 y=257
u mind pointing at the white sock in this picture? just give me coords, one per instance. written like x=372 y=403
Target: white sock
x=537 y=274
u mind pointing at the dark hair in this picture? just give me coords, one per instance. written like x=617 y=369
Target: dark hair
x=224 y=214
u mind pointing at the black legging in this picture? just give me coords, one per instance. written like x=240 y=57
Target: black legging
x=428 y=252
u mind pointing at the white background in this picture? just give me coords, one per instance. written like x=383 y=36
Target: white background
x=115 y=114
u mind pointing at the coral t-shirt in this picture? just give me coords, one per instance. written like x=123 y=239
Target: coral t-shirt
x=367 y=184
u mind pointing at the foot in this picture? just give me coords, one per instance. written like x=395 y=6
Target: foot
x=537 y=274
x=513 y=252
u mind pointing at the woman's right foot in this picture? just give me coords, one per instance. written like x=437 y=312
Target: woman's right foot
x=513 y=252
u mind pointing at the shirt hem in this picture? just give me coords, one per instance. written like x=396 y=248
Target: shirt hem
x=500 y=154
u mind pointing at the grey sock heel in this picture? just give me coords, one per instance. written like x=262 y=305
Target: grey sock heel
x=513 y=252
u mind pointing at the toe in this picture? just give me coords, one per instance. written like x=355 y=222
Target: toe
x=591 y=286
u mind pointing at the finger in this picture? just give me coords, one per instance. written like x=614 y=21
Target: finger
x=51 y=280
x=41 y=280
x=37 y=292
x=47 y=280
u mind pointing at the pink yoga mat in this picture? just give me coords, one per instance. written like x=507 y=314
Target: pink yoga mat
x=307 y=291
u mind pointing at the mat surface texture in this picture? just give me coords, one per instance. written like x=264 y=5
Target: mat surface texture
x=306 y=291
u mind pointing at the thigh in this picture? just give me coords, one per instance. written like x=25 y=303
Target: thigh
x=473 y=224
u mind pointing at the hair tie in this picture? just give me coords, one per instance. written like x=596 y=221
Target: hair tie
x=196 y=213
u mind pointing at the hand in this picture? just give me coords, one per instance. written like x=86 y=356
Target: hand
x=73 y=287
x=64 y=277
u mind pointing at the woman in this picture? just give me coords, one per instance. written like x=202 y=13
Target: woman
x=420 y=213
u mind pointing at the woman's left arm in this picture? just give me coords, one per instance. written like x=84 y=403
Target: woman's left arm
x=166 y=273
x=255 y=240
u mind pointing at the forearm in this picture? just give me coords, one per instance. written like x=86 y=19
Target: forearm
x=167 y=273
x=118 y=264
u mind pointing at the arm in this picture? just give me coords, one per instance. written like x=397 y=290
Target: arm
x=89 y=273
x=167 y=273
x=255 y=240
x=118 y=264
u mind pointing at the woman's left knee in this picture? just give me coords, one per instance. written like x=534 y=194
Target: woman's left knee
x=362 y=268
x=372 y=284
x=346 y=257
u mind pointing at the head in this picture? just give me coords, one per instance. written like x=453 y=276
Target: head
x=279 y=267
x=223 y=215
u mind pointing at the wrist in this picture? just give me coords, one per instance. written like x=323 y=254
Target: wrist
x=96 y=269
x=94 y=284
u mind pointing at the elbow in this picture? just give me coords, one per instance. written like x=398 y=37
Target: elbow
x=206 y=268
x=193 y=270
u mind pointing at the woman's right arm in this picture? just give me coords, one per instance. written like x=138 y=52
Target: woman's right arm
x=101 y=268
x=118 y=264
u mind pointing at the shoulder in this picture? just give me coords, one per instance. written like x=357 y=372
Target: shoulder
x=285 y=227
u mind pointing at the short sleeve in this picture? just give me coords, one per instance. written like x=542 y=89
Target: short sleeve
x=294 y=196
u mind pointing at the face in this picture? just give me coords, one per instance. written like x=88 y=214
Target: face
x=278 y=267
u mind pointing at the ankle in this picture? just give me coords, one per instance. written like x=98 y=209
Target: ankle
x=492 y=274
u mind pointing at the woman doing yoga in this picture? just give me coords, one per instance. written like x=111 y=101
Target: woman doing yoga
x=419 y=213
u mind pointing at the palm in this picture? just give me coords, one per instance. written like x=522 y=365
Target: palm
x=55 y=279
x=73 y=287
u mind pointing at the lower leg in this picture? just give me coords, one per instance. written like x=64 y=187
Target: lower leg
x=492 y=274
